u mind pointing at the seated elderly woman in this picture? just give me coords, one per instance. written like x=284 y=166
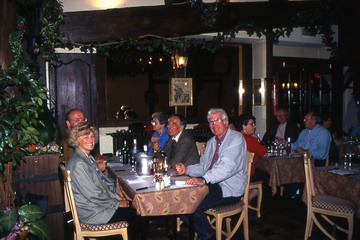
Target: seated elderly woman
x=96 y=199
x=246 y=124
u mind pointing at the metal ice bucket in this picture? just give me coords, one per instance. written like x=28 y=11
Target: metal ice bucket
x=144 y=162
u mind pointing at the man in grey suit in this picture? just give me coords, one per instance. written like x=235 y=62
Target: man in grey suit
x=181 y=147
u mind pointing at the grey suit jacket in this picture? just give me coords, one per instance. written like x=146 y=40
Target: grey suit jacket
x=230 y=170
x=186 y=151
x=95 y=202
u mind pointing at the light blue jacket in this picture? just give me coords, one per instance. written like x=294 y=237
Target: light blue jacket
x=317 y=139
x=230 y=170
x=95 y=202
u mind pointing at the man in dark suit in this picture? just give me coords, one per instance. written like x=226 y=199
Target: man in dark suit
x=181 y=147
x=282 y=130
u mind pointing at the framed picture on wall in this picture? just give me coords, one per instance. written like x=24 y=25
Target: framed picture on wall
x=180 y=92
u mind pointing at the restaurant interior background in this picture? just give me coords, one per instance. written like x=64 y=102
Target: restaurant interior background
x=243 y=74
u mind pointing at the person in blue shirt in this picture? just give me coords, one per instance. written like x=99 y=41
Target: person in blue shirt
x=160 y=136
x=313 y=137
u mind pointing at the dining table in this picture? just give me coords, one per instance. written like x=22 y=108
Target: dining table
x=340 y=182
x=175 y=200
x=282 y=170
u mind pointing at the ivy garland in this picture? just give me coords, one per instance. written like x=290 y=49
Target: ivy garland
x=52 y=17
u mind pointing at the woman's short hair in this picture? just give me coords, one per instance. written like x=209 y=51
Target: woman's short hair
x=163 y=118
x=244 y=120
x=79 y=130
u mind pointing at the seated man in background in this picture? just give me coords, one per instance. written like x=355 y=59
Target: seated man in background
x=72 y=118
x=181 y=147
x=223 y=167
x=313 y=137
x=160 y=135
x=282 y=130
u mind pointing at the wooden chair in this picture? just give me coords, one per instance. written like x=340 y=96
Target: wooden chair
x=83 y=230
x=201 y=147
x=257 y=185
x=325 y=206
x=217 y=214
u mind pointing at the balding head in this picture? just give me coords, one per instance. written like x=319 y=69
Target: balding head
x=74 y=117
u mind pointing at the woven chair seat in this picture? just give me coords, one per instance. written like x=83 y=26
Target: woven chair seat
x=333 y=203
x=104 y=227
x=227 y=208
x=256 y=183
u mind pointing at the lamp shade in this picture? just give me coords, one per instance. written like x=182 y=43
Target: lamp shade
x=179 y=60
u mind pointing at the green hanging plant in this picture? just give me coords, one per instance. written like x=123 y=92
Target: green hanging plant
x=22 y=98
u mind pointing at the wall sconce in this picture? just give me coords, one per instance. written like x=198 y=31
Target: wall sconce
x=259 y=92
x=241 y=92
x=179 y=60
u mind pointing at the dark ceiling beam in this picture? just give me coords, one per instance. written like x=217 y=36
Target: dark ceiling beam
x=175 y=20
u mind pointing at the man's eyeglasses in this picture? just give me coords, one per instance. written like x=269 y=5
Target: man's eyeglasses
x=79 y=119
x=215 y=121
x=252 y=124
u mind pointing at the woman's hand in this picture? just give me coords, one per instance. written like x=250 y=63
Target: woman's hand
x=123 y=202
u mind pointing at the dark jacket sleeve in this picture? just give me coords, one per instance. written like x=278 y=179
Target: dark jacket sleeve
x=269 y=135
x=292 y=131
x=186 y=150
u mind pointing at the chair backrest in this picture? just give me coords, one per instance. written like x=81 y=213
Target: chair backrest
x=246 y=193
x=69 y=196
x=309 y=178
x=201 y=147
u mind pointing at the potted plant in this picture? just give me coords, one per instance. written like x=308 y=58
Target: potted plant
x=15 y=223
x=23 y=99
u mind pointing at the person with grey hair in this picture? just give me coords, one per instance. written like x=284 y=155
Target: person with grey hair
x=96 y=199
x=282 y=130
x=223 y=167
x=160 y=135
x=313 y=137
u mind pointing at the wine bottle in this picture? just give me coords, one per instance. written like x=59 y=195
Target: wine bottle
x=125 y=153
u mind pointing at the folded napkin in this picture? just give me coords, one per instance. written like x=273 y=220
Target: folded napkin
x=180 y=183
x=132 y=181
x=341 y=172
x=114 y=164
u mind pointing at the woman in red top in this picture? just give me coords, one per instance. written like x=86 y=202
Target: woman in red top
x=246 y=124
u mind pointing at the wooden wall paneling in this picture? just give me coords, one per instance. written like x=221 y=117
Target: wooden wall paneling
x=8 y=19
x=73 y=85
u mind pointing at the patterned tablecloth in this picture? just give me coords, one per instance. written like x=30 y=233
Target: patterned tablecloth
x=178 y=199
x=282 y=170
x=344 y=186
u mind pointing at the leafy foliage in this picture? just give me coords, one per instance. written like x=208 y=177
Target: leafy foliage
x=30 y=213
x=313 y=20
x=22 y=98
x=8 y=220
x=27 y=217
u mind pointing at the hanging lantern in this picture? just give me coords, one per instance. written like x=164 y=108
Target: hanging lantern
x=179 y=60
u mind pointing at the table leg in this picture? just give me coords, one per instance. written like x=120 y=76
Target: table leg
x=191 y=227
x=144 y=225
